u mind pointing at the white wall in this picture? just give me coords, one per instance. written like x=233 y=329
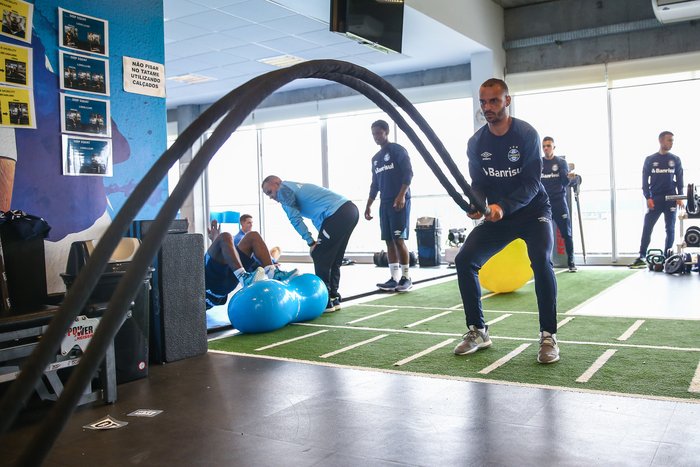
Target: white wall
x=479 y=20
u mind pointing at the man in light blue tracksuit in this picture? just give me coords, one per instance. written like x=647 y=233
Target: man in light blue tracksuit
x=333 y=215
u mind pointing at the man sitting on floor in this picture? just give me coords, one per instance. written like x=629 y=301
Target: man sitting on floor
x=226 y=265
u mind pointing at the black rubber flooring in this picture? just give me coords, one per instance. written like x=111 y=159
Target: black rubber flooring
x=227 y=410
x=224 y=410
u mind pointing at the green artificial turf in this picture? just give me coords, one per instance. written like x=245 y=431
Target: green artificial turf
x=659 y=359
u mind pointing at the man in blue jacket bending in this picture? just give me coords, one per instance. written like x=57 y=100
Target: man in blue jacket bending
x=333 y=216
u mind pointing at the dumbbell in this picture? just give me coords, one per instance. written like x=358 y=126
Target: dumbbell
x=676 y=264
x=692 y=237
x=691 y=198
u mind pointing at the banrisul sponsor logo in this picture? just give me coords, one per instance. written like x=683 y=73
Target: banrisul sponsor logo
x=383 y=168
x=504 y=173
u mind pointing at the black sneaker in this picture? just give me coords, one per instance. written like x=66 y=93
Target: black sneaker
x=388 y=286
x=336 y=303
x=639 y=263
x=572 y=268
x=330 y=307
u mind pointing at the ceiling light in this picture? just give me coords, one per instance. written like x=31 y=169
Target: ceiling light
x=282 y=61
x=190 y=78
x=389 y=1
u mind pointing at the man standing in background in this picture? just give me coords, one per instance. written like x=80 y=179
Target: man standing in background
x=391 y=176
x=555 y=178
x=662 y=175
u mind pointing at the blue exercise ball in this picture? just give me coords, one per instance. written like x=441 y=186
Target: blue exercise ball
x=313 y=296
x=262 y=307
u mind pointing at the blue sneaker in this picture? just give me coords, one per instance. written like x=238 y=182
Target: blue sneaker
x=250 y=277
x=284 y=276
x=404 y=285
x=388 y=286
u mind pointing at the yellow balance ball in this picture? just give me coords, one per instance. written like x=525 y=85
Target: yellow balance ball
x=507 y=270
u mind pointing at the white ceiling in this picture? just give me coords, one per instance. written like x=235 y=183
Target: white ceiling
x=223 y=40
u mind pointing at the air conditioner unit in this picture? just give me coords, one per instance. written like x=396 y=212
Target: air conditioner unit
x=672 y=11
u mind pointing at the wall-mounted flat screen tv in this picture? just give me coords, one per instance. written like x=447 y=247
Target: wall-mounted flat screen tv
x=378 y=23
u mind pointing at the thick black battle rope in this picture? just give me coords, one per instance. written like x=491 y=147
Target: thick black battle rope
x=32 y=369
x=384 y=86
x=239 y=104
x=395 y=115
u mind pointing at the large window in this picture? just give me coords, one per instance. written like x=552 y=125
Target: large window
x=606 y=130
x=452 y=122
x=640 y=113
x=351 y=147
x=350 y=150
x=633 y=112
x=233 y=173
x=577 y=120
x=292 y=151
x=233 y=176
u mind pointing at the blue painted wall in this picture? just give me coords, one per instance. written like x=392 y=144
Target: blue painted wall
x=80 y=204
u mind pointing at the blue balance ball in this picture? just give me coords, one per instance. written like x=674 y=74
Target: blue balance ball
x=262 y=307
x=313 y=296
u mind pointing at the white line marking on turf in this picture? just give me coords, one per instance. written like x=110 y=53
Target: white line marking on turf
x=597 y=365
x=508 y=338
x=627 y=334
x=353 y=346
x=695 y=383
x=424 y=352
x=512 y=312
x=565 y=321
x=456 y=307
x=430 y=308
x=500 y=318
x=372 y=316
x=290 y=340
x=505 y=359
x=428 y=319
